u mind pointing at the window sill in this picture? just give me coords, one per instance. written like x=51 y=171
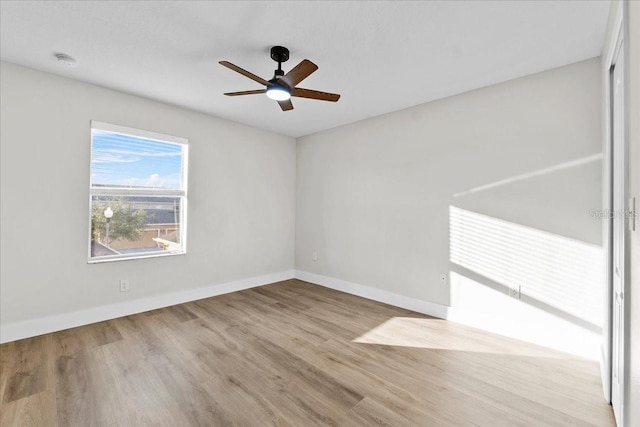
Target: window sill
x=99 y=260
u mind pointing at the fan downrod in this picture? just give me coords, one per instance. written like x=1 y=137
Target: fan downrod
x=279 y=54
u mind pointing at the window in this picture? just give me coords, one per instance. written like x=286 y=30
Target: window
x=138 y=194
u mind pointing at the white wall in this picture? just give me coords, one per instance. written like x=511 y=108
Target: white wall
x=373 y=198
x=241 y=198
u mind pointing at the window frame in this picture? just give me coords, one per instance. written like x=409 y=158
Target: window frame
x=143 y=192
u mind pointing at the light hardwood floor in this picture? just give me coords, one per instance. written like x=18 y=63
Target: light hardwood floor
x=292 y=354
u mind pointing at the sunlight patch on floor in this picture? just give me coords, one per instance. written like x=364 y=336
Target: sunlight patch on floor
x=441 y=334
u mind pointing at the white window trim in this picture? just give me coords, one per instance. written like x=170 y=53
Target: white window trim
x=138 y=132
x=160 y=192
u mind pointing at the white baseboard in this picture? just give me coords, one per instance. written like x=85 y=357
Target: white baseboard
x=409 y=303
x=30 y=328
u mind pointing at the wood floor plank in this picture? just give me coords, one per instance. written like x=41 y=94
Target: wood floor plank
x=318 y=381
x=344 y=362
x=83 y=389
x=33 y=411
x=368 y=412
x=292 y=354
x=247 y=392
x=26 y=368
x=428 y=387
x=460 y=384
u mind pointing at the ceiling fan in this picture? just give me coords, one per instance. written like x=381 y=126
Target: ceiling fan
x=283 y=86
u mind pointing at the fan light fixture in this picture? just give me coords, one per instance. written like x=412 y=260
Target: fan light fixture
x=278 y=93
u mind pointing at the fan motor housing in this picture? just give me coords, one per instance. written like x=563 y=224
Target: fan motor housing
x=279 y=54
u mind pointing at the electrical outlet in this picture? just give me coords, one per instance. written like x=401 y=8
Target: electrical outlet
x=514 y=292
x=443 y=278
x=124 y=285
x=314 y=256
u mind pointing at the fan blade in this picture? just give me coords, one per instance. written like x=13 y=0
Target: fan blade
x=314 y=94
x=298 y=73
x=244 y=72
x=246 y=92
x=286 y=105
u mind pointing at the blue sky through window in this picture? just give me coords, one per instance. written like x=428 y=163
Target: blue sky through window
x=130 y=161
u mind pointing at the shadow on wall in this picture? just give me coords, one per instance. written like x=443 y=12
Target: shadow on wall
x=551 y=272
x=524 y=281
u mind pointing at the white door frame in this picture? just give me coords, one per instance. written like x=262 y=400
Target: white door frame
x=608 y=60
x=619 y=236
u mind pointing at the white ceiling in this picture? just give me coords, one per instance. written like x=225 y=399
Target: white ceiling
x=381 y=56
